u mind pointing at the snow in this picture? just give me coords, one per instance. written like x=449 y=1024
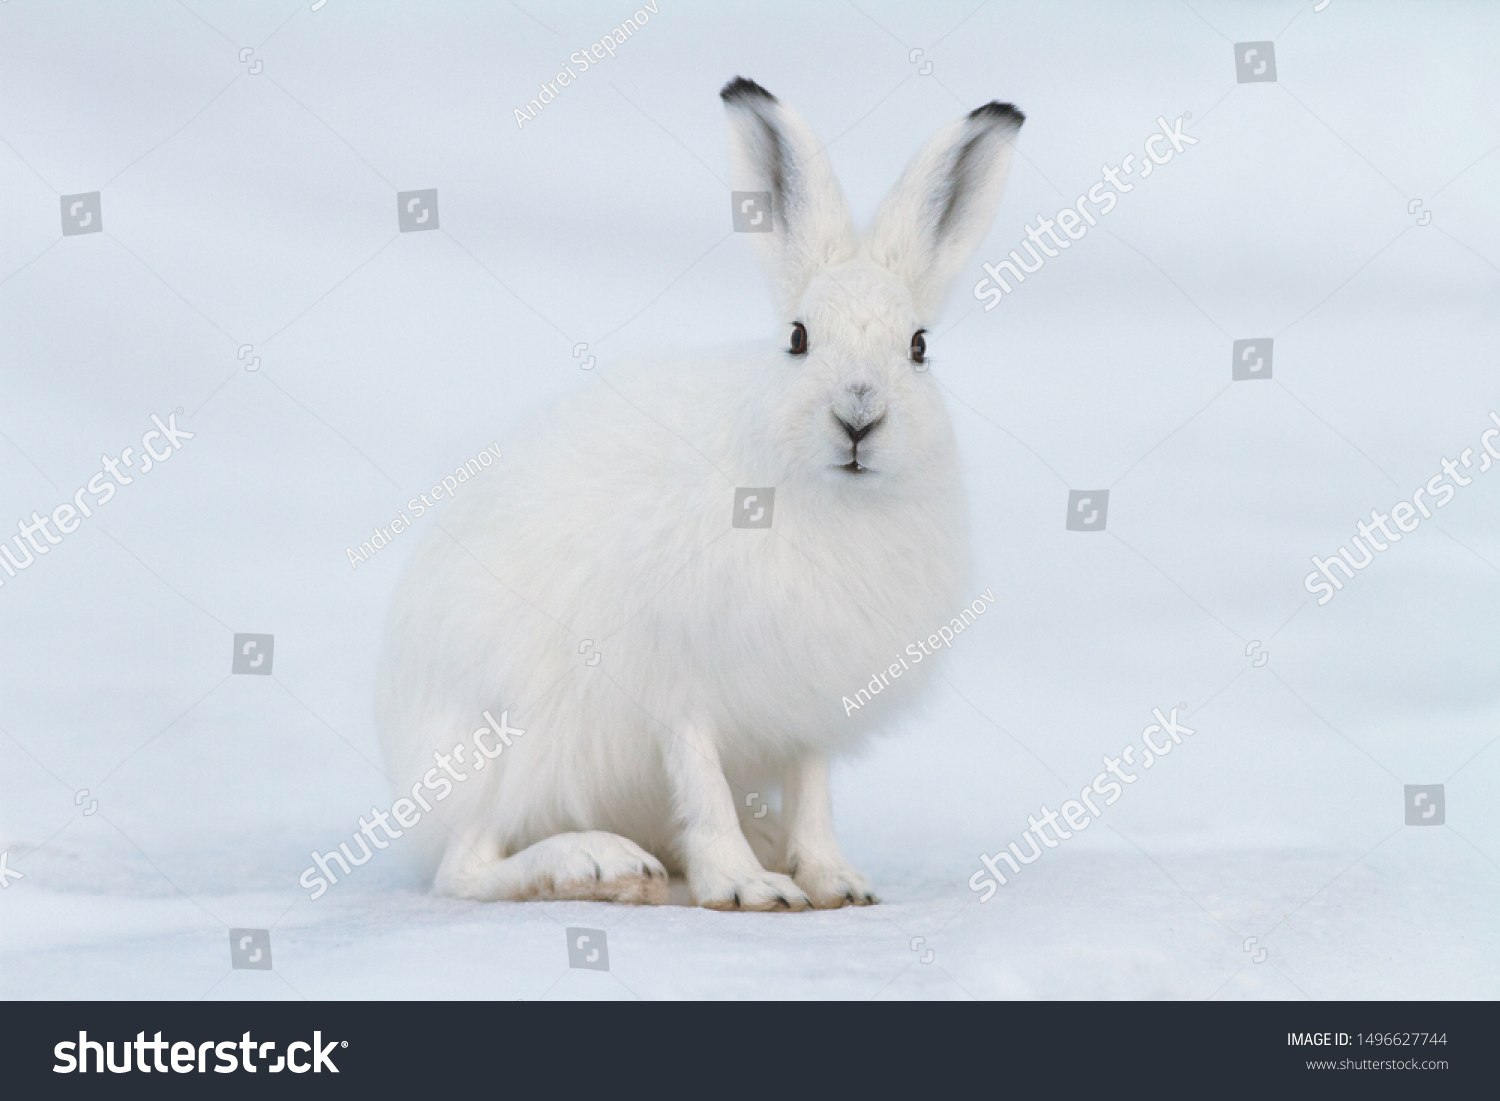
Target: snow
x=257 y=209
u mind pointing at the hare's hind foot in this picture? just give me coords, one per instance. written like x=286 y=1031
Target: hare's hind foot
x=592 y=866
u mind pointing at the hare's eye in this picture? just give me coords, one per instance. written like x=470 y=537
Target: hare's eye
x=799 y=339
x=918 y=347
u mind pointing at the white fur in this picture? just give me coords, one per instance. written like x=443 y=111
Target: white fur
x=724 y=653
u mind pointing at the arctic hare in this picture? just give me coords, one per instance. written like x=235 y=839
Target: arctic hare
x=670 y=669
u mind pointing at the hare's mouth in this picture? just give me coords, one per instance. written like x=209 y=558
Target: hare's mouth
x=854 y=434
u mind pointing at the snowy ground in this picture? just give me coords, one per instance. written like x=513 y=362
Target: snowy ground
x=255 y=208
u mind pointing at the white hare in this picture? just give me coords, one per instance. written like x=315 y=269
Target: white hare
x=671 y=670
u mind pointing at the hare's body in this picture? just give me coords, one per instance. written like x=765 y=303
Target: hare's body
x=669 y=669
x=614 y=525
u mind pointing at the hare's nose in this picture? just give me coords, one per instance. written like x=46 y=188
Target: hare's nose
x=858 y=432
x=858 y=407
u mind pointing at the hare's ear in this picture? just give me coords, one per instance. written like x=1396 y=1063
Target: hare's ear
x=941 y=209
x=773 y=151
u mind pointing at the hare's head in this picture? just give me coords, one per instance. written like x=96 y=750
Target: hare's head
x=854 y=399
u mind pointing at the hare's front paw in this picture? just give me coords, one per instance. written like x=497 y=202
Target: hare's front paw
x=750 y=890
x=833 y=885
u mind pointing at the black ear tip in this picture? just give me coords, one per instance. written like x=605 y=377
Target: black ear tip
x=998 y=113
x=743 y=90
